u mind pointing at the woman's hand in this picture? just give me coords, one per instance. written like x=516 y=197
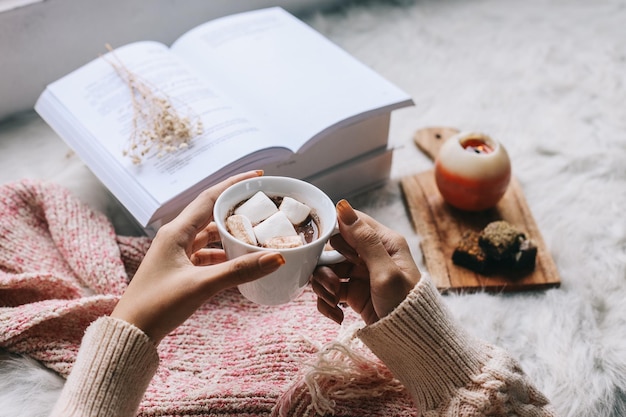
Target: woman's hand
x=377 y=276
x=179 y=273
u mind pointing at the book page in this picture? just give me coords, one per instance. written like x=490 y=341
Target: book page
x=287 y=75
x=97 y=96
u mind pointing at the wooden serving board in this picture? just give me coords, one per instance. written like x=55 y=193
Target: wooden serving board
x=440 y=227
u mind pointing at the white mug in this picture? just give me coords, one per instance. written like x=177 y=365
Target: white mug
x=288 y=281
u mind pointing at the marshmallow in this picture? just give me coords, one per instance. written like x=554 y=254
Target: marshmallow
x=257 y=208
x=285 y=242
x=241 y=228
x=276 y=225
x=295 y=211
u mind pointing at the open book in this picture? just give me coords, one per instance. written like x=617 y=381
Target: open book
x=271 y=93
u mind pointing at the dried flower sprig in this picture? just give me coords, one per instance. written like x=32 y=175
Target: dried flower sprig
x=156 y=124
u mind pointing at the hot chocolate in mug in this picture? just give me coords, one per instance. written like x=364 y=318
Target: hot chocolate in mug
x=288 y=281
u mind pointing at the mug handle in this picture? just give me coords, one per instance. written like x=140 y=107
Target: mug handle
x=329 y=257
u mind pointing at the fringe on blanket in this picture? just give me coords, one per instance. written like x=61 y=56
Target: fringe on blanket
x=341 y=371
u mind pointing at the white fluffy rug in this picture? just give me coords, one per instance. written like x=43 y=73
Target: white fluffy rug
x=545 y=77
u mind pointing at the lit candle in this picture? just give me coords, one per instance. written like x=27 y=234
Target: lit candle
x=472 y=171
x=476 y=145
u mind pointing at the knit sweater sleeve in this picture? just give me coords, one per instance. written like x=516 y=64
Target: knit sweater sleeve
x=447 y=371
x=114 y=366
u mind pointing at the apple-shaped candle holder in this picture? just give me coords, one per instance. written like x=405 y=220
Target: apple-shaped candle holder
x=472 y=171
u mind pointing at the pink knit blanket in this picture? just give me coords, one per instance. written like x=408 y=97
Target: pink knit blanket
x=62 y=266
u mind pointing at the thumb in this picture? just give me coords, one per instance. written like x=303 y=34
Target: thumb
x=364 y=239
x=242 y=269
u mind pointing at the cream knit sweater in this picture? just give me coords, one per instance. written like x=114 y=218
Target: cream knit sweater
x=446 y=371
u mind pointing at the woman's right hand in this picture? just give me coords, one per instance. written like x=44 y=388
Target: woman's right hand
x=378 y=274
x=179 y=272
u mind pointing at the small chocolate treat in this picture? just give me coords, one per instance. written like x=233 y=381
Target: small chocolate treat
x=498 y=248
x=469 y=254
x=524 y=258
x=500 y=240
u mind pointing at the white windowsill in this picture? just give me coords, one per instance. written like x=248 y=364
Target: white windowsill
x=6 y=5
